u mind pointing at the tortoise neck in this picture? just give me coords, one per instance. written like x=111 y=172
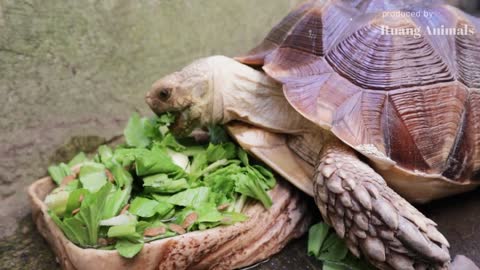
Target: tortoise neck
x=250 y=96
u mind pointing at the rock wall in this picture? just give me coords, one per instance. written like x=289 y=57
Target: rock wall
x=71 y=72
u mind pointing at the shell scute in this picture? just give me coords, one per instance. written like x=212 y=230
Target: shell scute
x=415 y=99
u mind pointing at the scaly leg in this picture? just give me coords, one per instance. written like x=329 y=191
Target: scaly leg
x=373 y=219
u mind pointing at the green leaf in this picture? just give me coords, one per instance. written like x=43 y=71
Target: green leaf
x=179 y=159
x=77 y=159
x=91 y=212
x=74 y=200
x=242 y=155
x=122 y=177
x=233 y=217
x=193 y=150
x=164 y=184
x=73 y=185
x=331 y=266
x=222 y=184
x=106 y=154
x=251 y=188
x=143 y=207
x=92 y=176
x=126 y=156
x=150 y=128
x=190 y=197
x=170 y=142
x=214 y=166
x=207 y=212
x=325 y=245
x=337 y=252
x=165 y=119
x=66 y=230
x=117 y=199
x=199 y=163
x=135 y=134
x=156 y=161
x=57 y=173
x=163 y=209
x=265 y=175
x=124 y=219
x=127 y=248
x=316 y=236
x=221 y=151
x=122 y=231
x=79 y=232
x=57 y=201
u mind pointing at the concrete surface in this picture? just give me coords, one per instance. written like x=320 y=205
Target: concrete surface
x=71 y=72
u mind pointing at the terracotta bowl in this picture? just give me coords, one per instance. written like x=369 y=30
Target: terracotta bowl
x=265 y=233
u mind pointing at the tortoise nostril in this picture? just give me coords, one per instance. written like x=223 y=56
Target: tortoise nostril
x=164 y=94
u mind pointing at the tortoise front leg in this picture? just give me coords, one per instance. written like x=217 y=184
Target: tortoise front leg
x=373 y=219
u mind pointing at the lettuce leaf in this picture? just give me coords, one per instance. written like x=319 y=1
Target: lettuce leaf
x=77 y=159
x=162 y=183
x=325 y=245
x=157 y=181
x=57 y=173
x=143 y=207
x=156 y=161
x=251 y=188
x=190 y=197
x=92 y=176
x=127 y=248
x=135 y=133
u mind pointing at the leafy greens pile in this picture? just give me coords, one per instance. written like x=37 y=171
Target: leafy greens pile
x=325 y=245
x=153 y=187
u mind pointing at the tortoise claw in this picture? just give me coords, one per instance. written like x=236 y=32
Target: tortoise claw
x=374 y=219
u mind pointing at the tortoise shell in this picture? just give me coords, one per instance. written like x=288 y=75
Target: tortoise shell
x=384 y=79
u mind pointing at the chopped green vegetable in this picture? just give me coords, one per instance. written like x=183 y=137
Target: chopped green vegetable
x=122 y=219
x=164 y=184
x=154 y=181
x=78 y=159
x=248 y=186
x=122 y=231
x=207 y=212
x=143 y=207
x=122 y=177
x=190 y=197
x=127 y=248
x=135 y=133
x=74 y=200
x=57 y=201
x=316 y=236
x=59 y=172
x=220 y=151
x=117 y=199
x=156 y=161
x=325 y=245
x=105 y=153
x=92 y=176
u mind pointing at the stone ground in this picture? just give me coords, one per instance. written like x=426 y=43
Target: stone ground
x=71 y=72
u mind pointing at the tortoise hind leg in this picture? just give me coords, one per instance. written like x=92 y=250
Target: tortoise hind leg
x=373 y=219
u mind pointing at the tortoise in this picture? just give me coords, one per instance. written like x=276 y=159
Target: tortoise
x=365 y=105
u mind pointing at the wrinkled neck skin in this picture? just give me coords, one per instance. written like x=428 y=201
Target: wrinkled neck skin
x=245 y=94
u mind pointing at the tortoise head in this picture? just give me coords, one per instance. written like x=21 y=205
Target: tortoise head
x=189 y=94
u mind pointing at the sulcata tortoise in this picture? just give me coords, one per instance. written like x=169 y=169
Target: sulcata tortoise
x=365 y=105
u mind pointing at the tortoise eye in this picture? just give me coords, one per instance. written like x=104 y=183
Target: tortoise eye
x=165 y=94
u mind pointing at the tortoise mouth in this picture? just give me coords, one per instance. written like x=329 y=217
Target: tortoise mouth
x=184 y=124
